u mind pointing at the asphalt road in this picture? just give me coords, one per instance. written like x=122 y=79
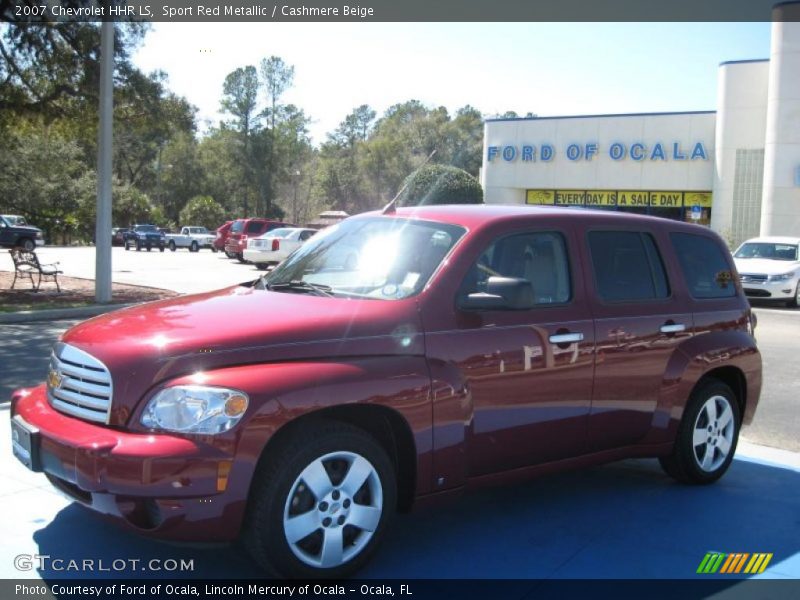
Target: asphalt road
x=25 y=350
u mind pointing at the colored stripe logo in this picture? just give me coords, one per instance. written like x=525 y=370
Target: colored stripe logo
x=736 y=562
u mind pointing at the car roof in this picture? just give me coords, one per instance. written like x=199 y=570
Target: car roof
x=774 y=239
x=476 y=216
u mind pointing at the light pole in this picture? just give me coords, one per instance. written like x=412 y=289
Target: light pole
x=102 y=286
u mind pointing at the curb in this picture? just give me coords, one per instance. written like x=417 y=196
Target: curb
x=28 y=316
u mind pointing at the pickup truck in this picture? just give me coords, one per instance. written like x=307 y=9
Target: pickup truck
x=192 y=238
x=144 y=236
x=22 y=236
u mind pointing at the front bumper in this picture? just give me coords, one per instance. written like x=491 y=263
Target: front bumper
x=771 y=290
x=162 y=485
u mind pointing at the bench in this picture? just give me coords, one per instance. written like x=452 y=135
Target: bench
x=26 y=264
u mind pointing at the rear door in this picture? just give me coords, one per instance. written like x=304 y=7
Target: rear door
x=639 y=320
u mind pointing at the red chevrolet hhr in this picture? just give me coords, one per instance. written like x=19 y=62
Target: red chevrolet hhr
x=466 y=345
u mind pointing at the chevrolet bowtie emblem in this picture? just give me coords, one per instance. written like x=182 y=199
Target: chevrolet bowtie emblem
x=54 y=379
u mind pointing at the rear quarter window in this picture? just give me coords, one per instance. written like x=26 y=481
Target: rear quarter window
x=704 y=266
x=627 y=266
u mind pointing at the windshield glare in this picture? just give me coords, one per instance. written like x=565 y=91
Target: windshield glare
x=381 y=258
x=767 y=250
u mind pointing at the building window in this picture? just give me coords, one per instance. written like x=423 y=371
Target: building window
x=747 y=187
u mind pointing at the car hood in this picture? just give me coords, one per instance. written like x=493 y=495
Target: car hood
x=146 y=345
x=765 y=266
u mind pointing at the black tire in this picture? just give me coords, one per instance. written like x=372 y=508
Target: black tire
x=262 y=266
x=213 y=250
x=126 y=246
x=172 y=246
x=793 y=303
x=161 y=248
x=240 y=257
x=27 y=244
x=138 y=246
x=684 y=464
x=149 y=247
x=278 y=481
x=194 y=247
x=230 y=254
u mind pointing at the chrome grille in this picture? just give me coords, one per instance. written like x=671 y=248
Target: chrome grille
x=78 y=384
x=753 y=278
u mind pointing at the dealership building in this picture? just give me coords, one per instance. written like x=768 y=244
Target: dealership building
x=736 y=169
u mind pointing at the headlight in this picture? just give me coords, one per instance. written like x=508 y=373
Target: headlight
x=195 y=409
x=784 y=277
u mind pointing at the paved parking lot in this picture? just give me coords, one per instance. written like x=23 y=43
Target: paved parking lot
x=181 y=271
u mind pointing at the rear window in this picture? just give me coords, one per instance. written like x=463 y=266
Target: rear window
x=705 y=268
x=237 y=226
x=627 y=266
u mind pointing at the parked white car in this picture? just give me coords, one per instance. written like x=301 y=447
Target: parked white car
x=769 y=268
x=274 y=246
x=192 y=238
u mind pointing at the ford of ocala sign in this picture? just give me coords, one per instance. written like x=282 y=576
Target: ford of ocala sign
x=637 y=151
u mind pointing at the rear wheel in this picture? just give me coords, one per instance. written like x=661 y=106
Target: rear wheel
x=707 y=436
x=320 y=503
x=194 y=247
x=27 y=244
x=262 y=266
x=240 y=257
x=172 y=246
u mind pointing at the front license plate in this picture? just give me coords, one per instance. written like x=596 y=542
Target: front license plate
x=25 y=443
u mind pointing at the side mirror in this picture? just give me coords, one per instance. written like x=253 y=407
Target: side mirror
x=502 y=293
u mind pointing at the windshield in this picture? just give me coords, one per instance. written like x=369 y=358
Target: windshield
x=767 y=250
x=147 y=228
x=381 y=258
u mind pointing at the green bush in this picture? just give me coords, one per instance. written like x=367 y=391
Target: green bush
x=203 y=211
x=440 y=184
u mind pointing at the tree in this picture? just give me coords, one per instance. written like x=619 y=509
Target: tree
x=240 y=99
x=203 y=210
x=439 y=184
x=355 y=127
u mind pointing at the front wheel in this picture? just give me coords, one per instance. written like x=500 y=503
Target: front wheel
x=194 y=247
x=707 y=436
x=320 y=503
x=795 y=302
x=172 y=246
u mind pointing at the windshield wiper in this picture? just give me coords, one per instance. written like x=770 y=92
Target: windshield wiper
x=301 y=286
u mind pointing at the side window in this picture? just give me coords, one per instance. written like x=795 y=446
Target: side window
x=707 y=272
x=305 y=235
x=540 y=258
x=627 y=266
x=255 y=227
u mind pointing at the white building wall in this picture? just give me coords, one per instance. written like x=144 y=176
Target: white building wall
x=741 y=125
x=506 y=181
x=780 y=207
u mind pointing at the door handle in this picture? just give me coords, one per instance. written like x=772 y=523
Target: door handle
x=673 y=328
x=566 y=338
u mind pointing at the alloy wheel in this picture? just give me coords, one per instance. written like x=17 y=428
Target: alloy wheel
x=713 y=433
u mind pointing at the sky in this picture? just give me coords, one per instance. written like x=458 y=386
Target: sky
x=548 y=69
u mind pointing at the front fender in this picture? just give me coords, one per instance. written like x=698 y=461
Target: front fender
x=691 y=361
x=280 y=393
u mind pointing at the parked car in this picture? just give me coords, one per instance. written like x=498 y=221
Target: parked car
x=118 y=235
x=222 y=236
x=22 y=236
x=193 y=238
x=243 y=229
x=769 y=268
x=469 y=345
x=273 y=247
x=144 y=236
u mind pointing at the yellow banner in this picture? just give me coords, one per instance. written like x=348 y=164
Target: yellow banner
x=702 y=199
x=601 y=198
x=540 y=197
x=570 y=197
x=666 y=199
x=637 y=198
